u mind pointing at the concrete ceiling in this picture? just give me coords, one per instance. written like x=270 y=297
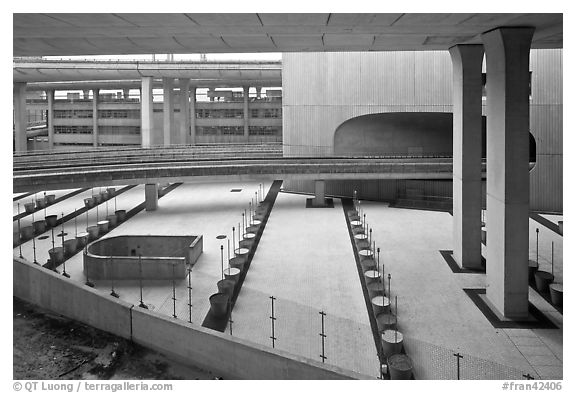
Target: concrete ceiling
x=110 y=34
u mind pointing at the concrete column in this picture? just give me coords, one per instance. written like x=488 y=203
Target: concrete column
x=50 y=118
x=151 y=196
x=184 y=111
x=20 y=117
x=246 y=115
x=95 y=137
x=319 y=193
x=86 y=94
x=167 y=84
x=192 y=115
x=146 y=112
x=210 y=94
x=125 y=93
x=508 y=182
x=467 y=148
x=259 y=92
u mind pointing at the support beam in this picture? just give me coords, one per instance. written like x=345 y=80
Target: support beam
x=50 y=118
x=192 y=111
x=146 y=112
x=508 y=182
x=467 y=148
x=151 y=196
x=246 y=115
x=319 y=193
x=20 y=117
x=184 y=111
x=168 y=112
x=95 y=137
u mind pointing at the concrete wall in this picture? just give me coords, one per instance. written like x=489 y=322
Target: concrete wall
x=194 y=345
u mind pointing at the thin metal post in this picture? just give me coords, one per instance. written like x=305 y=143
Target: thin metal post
x=323 y=335
x=233 y=238
x=552 y=259
x=458 y=357
x=537 y=232
x=370 y=241
x=115 y=208
x=140 y=275
x=189 y=294
x=230 y=321
x=86 y=219
x=273 y=319
x=106 y=207
x=222 y=260
x=174 y=290
x=378 y=262
x=75 y=224
x=250 y=212
x=389 y=287
x=111 y=275
x=63 y=251
x=19 y=232
x=46 y=204
x=228 y=241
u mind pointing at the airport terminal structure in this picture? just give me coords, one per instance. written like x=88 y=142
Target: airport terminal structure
x=383 y=202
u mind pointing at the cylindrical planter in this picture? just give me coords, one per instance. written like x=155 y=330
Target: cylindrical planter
x=366 y=253
x=82 y=238
x=89 y=202
x=391 y=342
x=39 y=226
x=120 y=215
x=532 y=269
x=111 y=191
x=50 y=198
x=375 y=289
x=112 y=220
x=232 y=274
x=256 y=222
x=70 y=246
x=249 y=236
x=105 y=195
x=246 y=243
x=386 y=321
x=367 y=264
x=103 y=226
x=361 y=236
x=543 y=280
x=41 y=203
x=556 y=293
x=241 y=251
x=362 y=244
x=219 y=305
x=237 y=262
x=29 y=207
x=253 y=229
x=356 y=223
x=51 y=220
x=380 y=304
x=226 y=286
x=97 y=198
x=27 y=232
x=400 y=366
x=93 y=232
x=372 y=276
x=56 y=255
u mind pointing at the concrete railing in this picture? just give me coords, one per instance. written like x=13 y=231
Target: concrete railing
x=227 y=356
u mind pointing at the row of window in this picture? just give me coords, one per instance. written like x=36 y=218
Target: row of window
x=219 y=114
x=119 y=130
x=119 y=114
x=235 y=130
x=72 y=130
x=72 y=114
x=264 y=130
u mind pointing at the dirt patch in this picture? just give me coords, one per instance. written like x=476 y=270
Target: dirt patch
x=49 y=346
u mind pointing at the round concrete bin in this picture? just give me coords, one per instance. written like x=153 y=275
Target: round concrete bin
x=380 y=304
x=120 y=215
x=386 y=321
x=366 y=253
x=372 y=276
x=111 y=191
x=252 y=229
x=256 y=222
x=241 y=251
x=226 y=286
x=29 y=207
x=532 y=269
x=219 y=305
x=356 y=223
x=400 y=366
x=41 y=203
x=362 y=244
x=237 y=262
x=556 y=293
x=50 y=198
x=357 y=230
x=112 y=220
x=97 y=198
x=367 y=264
x=70 y=246
x=51 y=220
x=246 y=243
x=56 y=254
x=82 y=238
x=360 y=236
x=105 y=195
x=103 y=226
x=93 y=232
x=249 y=236
x=375 y=289
x=392 y=341
x=543 y=281
x=89 y=202
x=232 y=274
x=27 y=232
x=39 y=226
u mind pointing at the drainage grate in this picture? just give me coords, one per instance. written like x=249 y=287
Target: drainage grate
x=236 y=190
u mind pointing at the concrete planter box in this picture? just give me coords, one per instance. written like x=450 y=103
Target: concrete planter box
x=111 y=191
x=232 y=274
x=372 y=276
x=104 y=195
x=29 y=207
x=120 y=215
x=249 y=236
x=70 y=246
x=97 y=198
x=556 y=294
x=39 y=226
x=543 y=281
x=92 y=232
x=27 y=232
x=82 y=238
x=50 y=198
x=51 y=220
x=219 y=305
x=386 y=321
x=89 y=202
x=392 y=341
x=400 y=367
x=56 y=255
x=103 y=226
x=380 y=304
x=112 y=220
x=226 y=286
x=241 y=251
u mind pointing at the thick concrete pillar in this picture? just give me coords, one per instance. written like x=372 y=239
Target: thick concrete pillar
x=259 y=92
x=125 y=93
x=95 y=138
x=146 y=112
x=167 y=84
x=246 y=115
x=319 y=193
x=86 y=94
x=151 y=196
x=192 y=139
x=467 y=153
x=50 y=118
x=184 y=111
x=508 y=182
x=20 y=117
